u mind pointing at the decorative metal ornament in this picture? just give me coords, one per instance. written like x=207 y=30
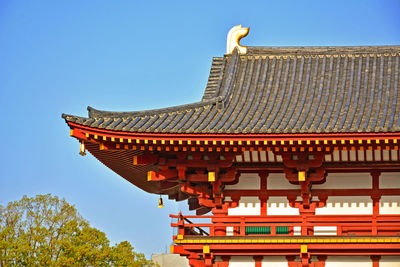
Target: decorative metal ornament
x=234 y=36
x=82 y=149
x=160 y=202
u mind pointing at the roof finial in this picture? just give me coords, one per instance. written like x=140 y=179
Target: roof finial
x=234 y=36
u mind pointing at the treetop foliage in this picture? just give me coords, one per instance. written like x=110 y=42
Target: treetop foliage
x=47 y=231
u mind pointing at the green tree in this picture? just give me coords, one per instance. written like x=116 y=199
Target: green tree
x=47 y=231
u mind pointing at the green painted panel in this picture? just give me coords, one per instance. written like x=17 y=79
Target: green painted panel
x=258 y=230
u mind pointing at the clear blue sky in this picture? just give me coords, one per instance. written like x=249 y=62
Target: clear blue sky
x=61 y=56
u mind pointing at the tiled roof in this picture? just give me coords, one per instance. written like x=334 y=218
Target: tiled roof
x=281 y=90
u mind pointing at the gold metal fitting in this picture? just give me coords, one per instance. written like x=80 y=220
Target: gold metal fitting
x=160 y=202
x=82 y=149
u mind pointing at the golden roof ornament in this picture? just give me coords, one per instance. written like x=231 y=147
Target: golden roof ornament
x=234 y=36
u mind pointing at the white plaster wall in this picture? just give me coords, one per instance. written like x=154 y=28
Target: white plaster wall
x=389 y=180
x=280 y=206
x=325 y=230
x=394 y=154
x=389 y=261
x=229 y=230
x=348 y=261
x=247 y=206
x=389 y=205
x=274 y=261
x=335 y=155
x=351 y=205
x=346 y=181
x=241 y=261
x=246 y=181
x=296 y=230
x=278 y=181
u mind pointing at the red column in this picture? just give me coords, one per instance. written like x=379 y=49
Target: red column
x=263 y=187
x=258 y=260
x=224 y=262
x=375 y=260
x=376 y=196
x=194 y=262
x=375 y=188
x=320 y=262
x=208 y=260
x=292 y=262
x=219 y=230
x=305 y=259
x=264 y=203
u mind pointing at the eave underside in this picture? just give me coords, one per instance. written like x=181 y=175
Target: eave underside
x=118 y=155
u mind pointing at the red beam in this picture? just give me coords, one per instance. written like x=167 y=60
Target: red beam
x=315 y=192
x=294 y=249
x=238 y=137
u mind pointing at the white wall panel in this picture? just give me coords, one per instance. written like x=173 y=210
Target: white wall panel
x=394 y=154
x=369 y=155
x=274 y=261
x=389 y=261
x=246 y=181
x=389 y=205
x=296 y=230
x=247 y=206
x=279 y=181
x=346 y=181
x=385 y=155
x=389 y=180
x=360 y=154
x=336 y=156
x=325 y=230
x=346 y=205
x=241 y=261
x=348 y=261
x=280 y=206
x=377 y=154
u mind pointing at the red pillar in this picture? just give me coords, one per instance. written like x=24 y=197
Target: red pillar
x=292 y=262
x=258 y=260
x=320 y=262
x=375 y=260
x=376 y=196
x=264 y=203
x=263 y=187
x=208 y=260
x=224 y=262
x=219 y=230
x=305 y=259
x=194 y=262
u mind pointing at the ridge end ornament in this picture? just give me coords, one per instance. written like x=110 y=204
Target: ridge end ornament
x=234 y=36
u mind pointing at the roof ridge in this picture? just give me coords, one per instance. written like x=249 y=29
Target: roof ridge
x=321 y=50
x=214 y=78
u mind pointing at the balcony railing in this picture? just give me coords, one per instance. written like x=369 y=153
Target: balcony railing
x=287 y=225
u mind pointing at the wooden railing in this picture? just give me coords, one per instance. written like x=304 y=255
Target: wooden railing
x=372 y=225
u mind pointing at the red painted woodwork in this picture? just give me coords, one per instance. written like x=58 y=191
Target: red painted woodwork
x=258 y=260
x=236 y=137
x=316 y=192
x=178 y=165
x=375 y=260
x=347 y=225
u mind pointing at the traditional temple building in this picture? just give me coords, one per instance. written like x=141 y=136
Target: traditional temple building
x=291 y=158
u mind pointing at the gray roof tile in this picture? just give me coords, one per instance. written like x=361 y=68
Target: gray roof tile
x=281 y=90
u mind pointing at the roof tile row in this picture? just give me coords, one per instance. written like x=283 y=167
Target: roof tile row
x=281 y=90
